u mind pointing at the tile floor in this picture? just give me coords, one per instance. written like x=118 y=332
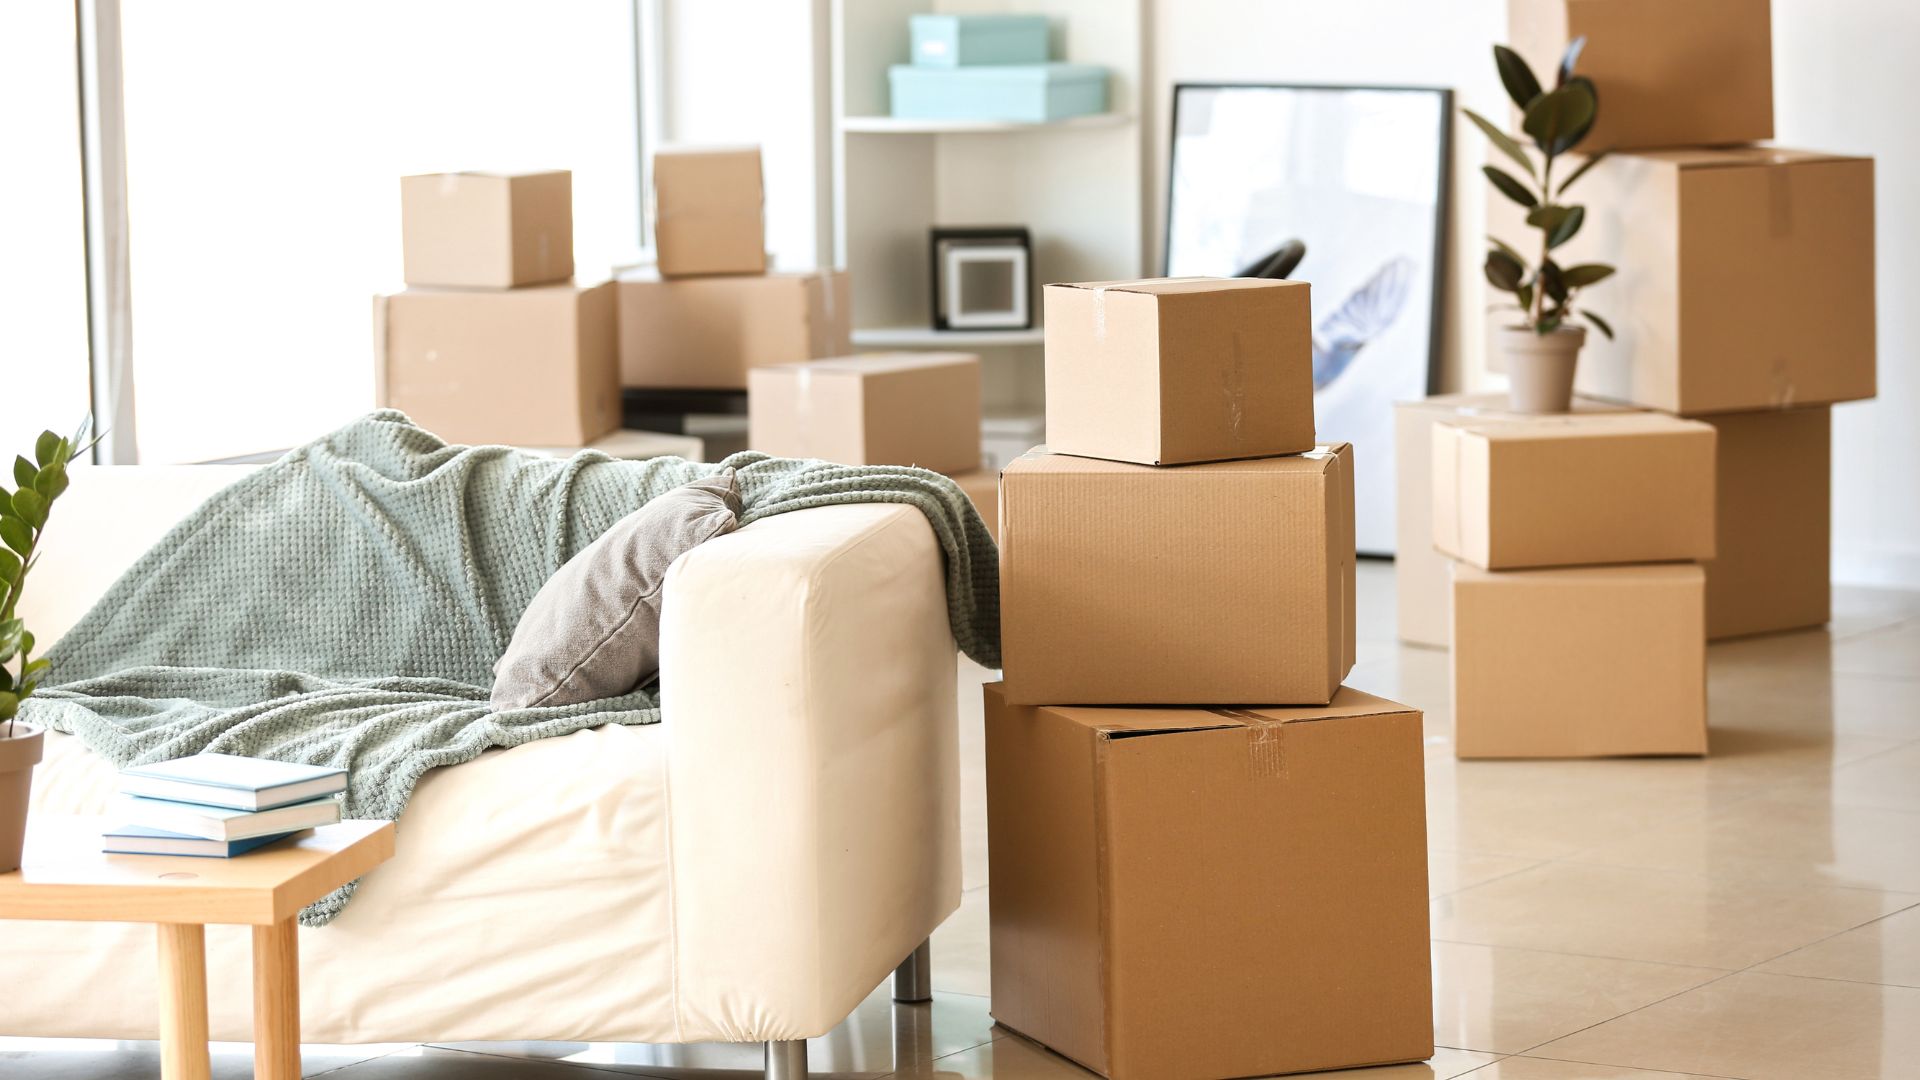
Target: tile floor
x=1756 y=914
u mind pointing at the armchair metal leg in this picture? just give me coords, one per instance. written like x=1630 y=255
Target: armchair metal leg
x=787 y=1060
x=913 y=979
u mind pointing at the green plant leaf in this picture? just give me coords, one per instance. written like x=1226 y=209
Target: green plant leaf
x=23 y=472
x=1579 y=277
x=1545 y=218
x=1581 y=171
x=52 y=481
x=1506 y=247
x=26 y=640
x=1558 y=114
x=1503 y=142
x=9 y=704
x=1563 y=232
x=15 y=534
x=1506 y=184
x=1599 y=323
x=35 y=667
x=11 y=632
x=32 y=508
x=6 y=679
x=1516 y=76
x=1570 y=58
x=44 y=447
x=1548 y=324
x=9 y=568
x=1504 y=272
x=1582 y=86
x=1525 y=293
x=1550 y=281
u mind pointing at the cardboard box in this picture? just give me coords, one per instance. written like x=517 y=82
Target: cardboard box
x=1745 y=279
x=1589 y=661
x=530 y=367
x=487 y=230
x=704 y=333
x=709 y=211
x=1186 y=893
x=1177 y=370
x=983 y=487
x=885 y=409
x=1697 y=73
x=1573 y=490
x=1772 y=502
x=1422 y=576
x=1227 y=583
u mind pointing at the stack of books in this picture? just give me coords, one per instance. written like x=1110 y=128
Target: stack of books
x=219 y=805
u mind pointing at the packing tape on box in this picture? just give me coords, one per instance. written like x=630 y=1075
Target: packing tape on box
x=1267 y=746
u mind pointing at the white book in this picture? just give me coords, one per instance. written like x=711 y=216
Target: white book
x=242 y=783
x=225 y=823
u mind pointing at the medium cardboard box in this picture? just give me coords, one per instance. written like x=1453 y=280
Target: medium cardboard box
x=1587 y=661
x=884 y=409
x=487 y=230
x=1192 y=893
x=1745 y=278
x=1217 y=584
x=1177 y=370
x=708 y=211
x=1573 y=490
x=1689 y=73
x=530 y=367
x=1772 y=500
x=983 y=487
x=1421 y=575
x=704 y=333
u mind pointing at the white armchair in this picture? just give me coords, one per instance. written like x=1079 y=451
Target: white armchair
x=748 y=870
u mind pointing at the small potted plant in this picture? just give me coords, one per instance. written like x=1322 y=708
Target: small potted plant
x=23 y=520
x=1542 y=348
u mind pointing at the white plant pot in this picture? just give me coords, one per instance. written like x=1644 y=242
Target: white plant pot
x=1539 y=366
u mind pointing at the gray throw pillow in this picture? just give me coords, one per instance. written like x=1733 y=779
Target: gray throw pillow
x=593 y=630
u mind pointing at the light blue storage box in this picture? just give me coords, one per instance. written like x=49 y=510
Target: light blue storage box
x=966 y=40
x=1029 y=93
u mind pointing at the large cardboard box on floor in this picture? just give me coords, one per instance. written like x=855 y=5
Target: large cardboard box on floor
x=709 y=205
x=532 y=367
x=1589 y=661
x=1224 y=583
x=487 y=230
x=1192 y=893
x=882 y=409
x=1423 y=578
x=1177 y=370
x=1771 y=568
x=1746 y=277
x=705 y=332
x=1686 y=73
x=1573 y=490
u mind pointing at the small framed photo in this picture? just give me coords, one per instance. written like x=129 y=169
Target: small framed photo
x=982 y=278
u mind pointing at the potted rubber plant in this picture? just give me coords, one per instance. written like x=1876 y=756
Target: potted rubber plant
x=1542 y=347
x=37 y=483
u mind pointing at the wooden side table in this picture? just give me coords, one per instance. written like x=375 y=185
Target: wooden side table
x=64 y=876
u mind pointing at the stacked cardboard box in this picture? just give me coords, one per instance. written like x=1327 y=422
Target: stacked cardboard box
x=1579 y=610
x=492 y=342
x=1208 y=857
x=1745 y=292
x=710 y=310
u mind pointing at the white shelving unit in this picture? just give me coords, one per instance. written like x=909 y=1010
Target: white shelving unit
x=1075 y=184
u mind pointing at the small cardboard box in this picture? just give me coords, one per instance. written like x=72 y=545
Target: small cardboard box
x=1573 y=490
x=487 y=230
x=709 y=208
x=705 y=332
x=1191 y=893
x=983 y=487
x=1220 y=584
x=1773 y=491
x=1177 y=370
x=1745 y=281
x=885 y=409
x=1589 y=661
x=1421 y=575
x=1698 y=73
x=529 y=367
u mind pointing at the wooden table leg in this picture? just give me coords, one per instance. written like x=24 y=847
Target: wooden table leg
x=183 y=1002
x=276 y=1001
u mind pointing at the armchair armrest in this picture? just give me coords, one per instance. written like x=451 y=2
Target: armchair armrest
x=808 y=684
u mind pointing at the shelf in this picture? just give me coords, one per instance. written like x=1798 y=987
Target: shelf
x=925 y=337
x=889 y=125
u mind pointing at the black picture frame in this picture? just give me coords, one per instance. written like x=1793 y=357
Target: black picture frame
x=936 y=278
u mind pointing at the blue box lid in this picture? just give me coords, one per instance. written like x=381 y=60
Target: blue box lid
x=1055 y=72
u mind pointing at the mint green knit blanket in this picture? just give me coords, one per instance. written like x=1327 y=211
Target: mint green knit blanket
x=345 y=605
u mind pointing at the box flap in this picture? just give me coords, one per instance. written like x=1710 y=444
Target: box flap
x=1176 y=285
x=1593 y=426
x=1123 y=722
x=878 y=363
x=1650 y=573
x=1319 y=460
x=1733 y=157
